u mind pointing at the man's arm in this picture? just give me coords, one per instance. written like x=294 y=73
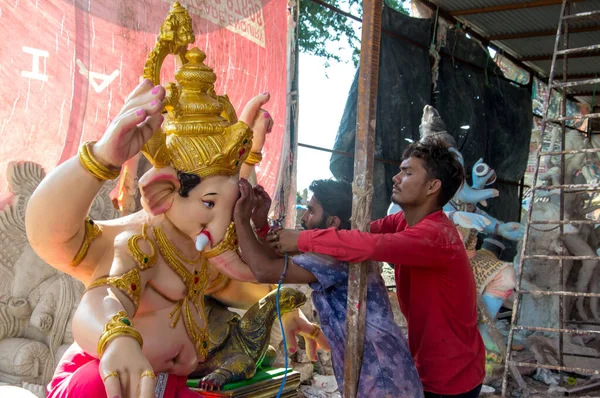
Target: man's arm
x=385 y=225
x=421 y=245
x=265 y=268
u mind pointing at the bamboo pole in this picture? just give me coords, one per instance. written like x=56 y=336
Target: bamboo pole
x=363 y=187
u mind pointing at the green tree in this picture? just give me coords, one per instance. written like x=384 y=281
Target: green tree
x=320 y=28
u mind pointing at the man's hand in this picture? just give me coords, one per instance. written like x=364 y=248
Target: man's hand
x=260 y=212
x=243 y=207
x=284 y=241
x=294 y=324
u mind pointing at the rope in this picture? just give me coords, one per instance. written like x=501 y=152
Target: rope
x=363 y=199
x=285 y=353
x=434 y=53
x=435 y=26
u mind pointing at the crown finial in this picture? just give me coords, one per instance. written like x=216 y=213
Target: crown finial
x=197 y=135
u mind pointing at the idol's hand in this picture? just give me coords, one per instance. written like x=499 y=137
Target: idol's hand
x=133 y=126
x=470 y=220
x=258 y=119
x=482 y=175
x=296 y=324
x=125 y=370
x=511 y=230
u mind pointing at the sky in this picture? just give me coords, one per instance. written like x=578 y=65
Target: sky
x=322 y=98
x=322 y=94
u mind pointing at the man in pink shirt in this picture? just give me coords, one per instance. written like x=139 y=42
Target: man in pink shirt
x=435 y=285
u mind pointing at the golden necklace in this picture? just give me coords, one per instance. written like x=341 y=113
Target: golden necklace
x=195 y=283
x=172 y=249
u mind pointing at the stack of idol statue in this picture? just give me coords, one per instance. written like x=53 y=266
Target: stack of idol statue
x=135 y=288
x=581 y=276
x=578 y=240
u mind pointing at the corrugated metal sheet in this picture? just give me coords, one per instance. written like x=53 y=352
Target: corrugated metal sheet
x=516 y=21
x=527 y=20
x=577 y=66
x=544 y=45
x=453 y=5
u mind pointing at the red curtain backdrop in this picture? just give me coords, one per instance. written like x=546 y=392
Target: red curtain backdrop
x=67 y=66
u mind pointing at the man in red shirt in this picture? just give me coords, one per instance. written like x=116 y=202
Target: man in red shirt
x=434 y=282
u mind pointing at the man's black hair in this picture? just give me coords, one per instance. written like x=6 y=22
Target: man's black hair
x=188 y=181
x=335 y=196
x=440 y=163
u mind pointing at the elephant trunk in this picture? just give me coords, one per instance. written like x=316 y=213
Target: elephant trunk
x=231 y=264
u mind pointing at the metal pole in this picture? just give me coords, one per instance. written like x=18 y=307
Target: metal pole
x=363 y=188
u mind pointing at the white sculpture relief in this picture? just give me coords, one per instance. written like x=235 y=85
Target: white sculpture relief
x=36 y=301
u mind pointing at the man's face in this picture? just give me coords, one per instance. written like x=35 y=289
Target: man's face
x=410 y=184
x=315 y=217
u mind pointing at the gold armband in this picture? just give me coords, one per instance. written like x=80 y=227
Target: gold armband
x=119 y=325
x=229 y=242
x=254 y=158
x=92 y=231
x=128 y=283
x=144 y=260
x=93 y=165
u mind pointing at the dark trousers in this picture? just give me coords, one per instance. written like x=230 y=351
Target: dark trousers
x=474 y=393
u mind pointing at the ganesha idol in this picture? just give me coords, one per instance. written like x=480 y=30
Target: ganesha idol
x=146 y=274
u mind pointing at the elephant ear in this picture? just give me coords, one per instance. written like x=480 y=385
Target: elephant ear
x=158 y=187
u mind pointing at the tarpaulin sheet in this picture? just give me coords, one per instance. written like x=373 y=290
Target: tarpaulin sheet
x=495 y=115
x=67 y=66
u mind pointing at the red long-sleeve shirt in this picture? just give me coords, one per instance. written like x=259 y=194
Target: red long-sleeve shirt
x=435 y=288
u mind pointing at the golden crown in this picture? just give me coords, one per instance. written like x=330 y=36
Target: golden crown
x=201 y=133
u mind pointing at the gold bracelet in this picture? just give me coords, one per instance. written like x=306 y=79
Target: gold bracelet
x=93 y=165
x=315 y=332
x=128 y=283
x=119 y=325
x=92 y=231
x=254 y=158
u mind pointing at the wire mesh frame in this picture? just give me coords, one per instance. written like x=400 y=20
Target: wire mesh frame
x=561 y=330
